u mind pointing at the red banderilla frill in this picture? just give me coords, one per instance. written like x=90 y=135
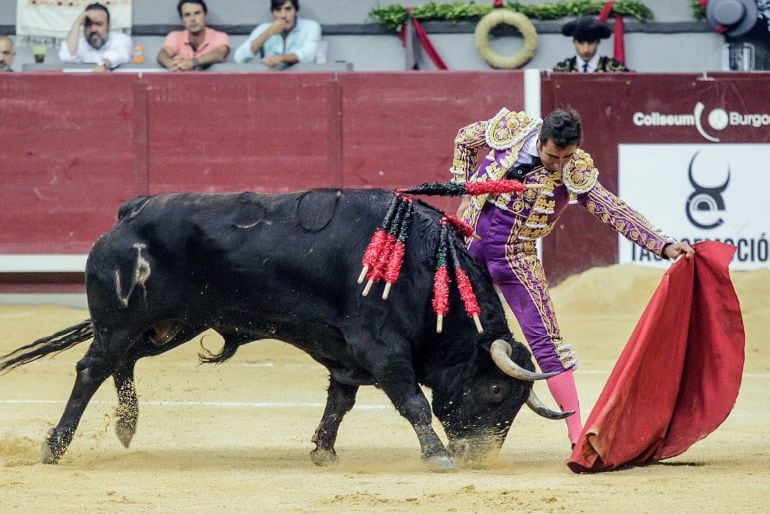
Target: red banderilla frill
x=377 y=271
x=377 y=242
x=495 y=187
x=466 y=289
x=393 y=270
x=441 y=280
x=460 y=226
x=466 y=188
x=384 y=256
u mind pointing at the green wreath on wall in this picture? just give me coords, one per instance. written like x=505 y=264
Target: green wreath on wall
x=515 y=19
x=394 y=16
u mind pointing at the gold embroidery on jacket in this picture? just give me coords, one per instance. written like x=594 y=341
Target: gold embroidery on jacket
x=613 y=211
x=508 y=128
x=580 y=175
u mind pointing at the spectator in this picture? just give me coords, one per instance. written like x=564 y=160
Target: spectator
x=586 y=33
x=198 y=46
x=7 y=53
x=90 y=41
x=287 y=40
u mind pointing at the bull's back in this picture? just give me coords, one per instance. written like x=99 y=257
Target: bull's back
x=286 y=255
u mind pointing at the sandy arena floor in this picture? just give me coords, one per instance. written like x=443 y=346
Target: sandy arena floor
x=237 y=436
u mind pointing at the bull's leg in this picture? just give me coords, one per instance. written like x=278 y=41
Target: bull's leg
x=411 y=403
x=339 y=400
x=389 y=362
x=127 y=412
x=92 y=370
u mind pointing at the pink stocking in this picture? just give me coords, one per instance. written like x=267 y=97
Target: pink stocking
x=563 y=390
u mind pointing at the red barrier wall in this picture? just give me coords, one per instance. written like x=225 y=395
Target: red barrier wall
x=399 y=128
x=68 y=159
x=238 y=132
x=75 y=146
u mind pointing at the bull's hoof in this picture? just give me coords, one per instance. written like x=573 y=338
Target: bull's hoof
x=324 y=457
x=440 y=463
x=48 y=454
x=125 y=424
x=125 y=430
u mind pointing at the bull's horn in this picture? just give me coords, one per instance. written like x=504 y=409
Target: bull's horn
x=534 y=403
x=501 y=354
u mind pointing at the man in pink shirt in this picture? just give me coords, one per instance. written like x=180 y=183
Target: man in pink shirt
x=196 y=47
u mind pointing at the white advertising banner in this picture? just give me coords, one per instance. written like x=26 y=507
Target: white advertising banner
x=53 y=18
x=697 y=192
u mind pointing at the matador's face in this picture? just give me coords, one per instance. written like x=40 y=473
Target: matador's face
x=554 y=157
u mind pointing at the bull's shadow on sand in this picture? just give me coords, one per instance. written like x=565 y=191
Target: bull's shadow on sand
x=374 y=460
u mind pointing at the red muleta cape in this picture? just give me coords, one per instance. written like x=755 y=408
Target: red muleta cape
x=678 y=377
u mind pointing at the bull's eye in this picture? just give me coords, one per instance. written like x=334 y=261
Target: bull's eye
x=492 y=392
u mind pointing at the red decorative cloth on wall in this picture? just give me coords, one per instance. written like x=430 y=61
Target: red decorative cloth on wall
x=679 y=375
x=619 y=48
x=422 y=36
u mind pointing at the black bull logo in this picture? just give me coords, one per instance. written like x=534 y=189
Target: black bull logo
x=705 y=199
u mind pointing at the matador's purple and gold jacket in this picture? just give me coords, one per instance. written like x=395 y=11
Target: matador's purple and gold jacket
x=537 y=210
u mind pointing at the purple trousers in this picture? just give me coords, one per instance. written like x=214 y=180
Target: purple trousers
x=515 y=268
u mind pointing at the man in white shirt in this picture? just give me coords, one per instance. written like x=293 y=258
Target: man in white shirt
x=285 y=41
x=90 y=41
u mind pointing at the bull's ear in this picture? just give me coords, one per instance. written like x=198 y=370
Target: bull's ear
x=132 y=207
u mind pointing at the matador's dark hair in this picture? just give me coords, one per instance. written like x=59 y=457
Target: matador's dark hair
x=277 y=4
x=563 y=127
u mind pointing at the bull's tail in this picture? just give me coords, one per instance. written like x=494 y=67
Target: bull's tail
x=55 y=343
x=206 y=356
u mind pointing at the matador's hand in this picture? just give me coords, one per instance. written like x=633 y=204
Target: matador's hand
x=674 y=250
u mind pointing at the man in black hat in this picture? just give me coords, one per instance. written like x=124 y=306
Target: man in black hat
x=586 y=33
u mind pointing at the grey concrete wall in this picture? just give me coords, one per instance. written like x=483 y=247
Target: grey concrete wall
x=646 y=52
x=325 y=11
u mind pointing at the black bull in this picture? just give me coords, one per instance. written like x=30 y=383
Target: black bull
x=253 y=266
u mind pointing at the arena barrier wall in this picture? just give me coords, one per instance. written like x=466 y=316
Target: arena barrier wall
x=76 y=146
x=668 y=144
